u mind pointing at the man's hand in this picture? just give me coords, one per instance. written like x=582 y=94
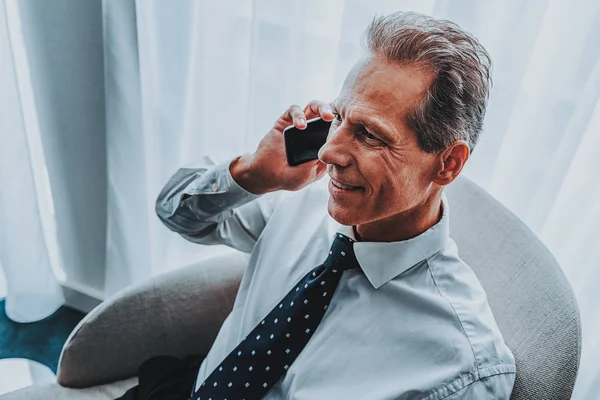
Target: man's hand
x=266 y=169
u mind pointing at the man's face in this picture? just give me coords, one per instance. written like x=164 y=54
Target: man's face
x=370 y=146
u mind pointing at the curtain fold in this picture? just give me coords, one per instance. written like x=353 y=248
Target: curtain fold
x=32 y=291
x=191 y=78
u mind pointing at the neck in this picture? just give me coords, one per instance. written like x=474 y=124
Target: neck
x=405 y=225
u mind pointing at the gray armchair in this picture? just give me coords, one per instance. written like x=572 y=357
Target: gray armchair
x=179 y=313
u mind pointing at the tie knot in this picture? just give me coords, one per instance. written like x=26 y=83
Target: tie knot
x=341 y=253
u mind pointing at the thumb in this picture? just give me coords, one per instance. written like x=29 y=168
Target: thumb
x=321 y=169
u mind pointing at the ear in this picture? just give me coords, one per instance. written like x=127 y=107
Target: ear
x=451 y=162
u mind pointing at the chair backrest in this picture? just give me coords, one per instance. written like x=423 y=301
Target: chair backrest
x=529 y=295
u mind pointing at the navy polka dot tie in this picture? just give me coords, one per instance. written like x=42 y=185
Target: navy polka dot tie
x=257 y=363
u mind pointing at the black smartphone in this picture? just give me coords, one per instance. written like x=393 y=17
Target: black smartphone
x=303 y=145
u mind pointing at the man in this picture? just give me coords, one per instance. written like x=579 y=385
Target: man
x=353 y=289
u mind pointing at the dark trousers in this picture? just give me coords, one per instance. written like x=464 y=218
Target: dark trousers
x=165 y=378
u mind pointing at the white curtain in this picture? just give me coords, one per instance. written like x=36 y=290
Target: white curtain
x=32 y=291
x=190 y=78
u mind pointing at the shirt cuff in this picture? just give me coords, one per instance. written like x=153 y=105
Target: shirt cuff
x=234 y=186
x=218 y=186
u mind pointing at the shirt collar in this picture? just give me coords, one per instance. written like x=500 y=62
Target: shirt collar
x=383 y=261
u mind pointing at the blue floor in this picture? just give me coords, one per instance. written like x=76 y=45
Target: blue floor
x=41 y=341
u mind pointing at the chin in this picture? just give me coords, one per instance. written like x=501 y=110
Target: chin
x=342 y=215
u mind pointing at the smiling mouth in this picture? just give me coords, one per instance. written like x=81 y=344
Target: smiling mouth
x=342 y=186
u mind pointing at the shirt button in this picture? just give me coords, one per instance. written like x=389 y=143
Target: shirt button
x=215 y=186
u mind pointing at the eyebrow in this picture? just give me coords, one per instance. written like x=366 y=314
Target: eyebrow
x=370 y=125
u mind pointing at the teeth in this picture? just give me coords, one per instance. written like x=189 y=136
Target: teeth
x=342 y=186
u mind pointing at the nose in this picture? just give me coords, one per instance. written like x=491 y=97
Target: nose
x=337 y=148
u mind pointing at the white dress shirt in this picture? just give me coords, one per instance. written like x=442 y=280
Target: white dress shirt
x=412 y=323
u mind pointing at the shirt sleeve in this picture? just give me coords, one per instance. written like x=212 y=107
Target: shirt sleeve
x=217 y=210
x=494 y=387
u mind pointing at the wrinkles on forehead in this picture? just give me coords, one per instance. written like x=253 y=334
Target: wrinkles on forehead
x=384 y=90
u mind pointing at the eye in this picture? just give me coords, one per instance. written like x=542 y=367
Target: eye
x=372 y=138
x=338 y=117
x=369 y=136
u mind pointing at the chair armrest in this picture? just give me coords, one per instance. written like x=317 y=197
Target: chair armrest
x=178 y=313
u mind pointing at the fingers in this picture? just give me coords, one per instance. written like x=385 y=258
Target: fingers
x=318 y=109
x=296 y=116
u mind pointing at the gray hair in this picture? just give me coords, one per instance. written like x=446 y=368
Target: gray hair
x=454 y=106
